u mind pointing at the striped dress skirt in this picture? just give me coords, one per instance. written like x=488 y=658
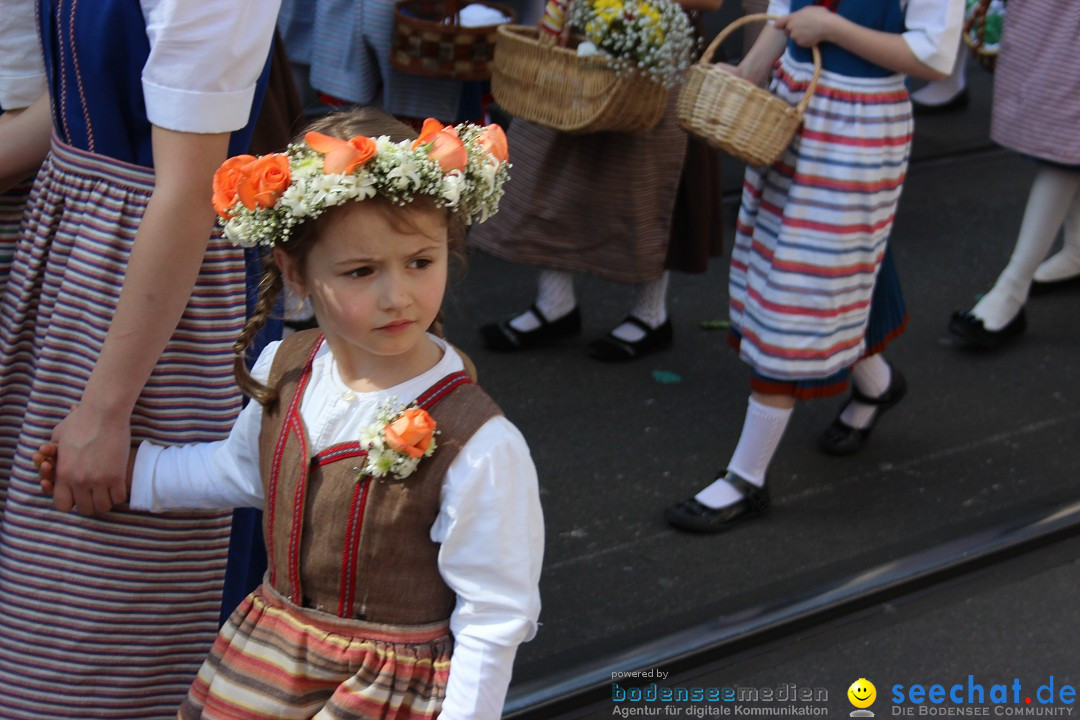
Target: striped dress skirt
x=276 y=661
x=111 y=616
x=812 y=286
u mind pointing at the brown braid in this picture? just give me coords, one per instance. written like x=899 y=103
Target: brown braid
x=270 y=288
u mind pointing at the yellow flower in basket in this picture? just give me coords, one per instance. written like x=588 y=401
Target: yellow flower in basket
x=651 y=38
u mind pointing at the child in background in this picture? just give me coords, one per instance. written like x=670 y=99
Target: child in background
x=400 y=505
x=814 y=296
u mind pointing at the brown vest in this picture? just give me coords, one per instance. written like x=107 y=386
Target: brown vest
x=343 y=542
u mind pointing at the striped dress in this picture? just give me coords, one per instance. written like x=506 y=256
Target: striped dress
x=105 y=617
x=812 y=287
x=1037 y=81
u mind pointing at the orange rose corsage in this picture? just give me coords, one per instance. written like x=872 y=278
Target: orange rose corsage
x=398 y=441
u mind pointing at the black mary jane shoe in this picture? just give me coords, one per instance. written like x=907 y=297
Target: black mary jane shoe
x=842 y=439
x=612 y=349
x=692 y=515
x=971 y=330
x=502 y=337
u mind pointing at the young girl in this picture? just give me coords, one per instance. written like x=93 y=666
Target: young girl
x=400 y=506
x=814 y=296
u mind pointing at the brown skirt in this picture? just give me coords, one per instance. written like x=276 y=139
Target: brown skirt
x=599 y=203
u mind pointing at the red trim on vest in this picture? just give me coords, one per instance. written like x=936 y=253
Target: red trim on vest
x=350 y=558
x=442 y=388
x=341 y=451
x=297 y=426
x=275 y=468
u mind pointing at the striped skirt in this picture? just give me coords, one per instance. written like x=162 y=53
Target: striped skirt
x=105 y=617
x=812 y=233
x=277 y=661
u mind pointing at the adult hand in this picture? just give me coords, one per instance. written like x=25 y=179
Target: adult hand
x=92 y=452
x=809 y=26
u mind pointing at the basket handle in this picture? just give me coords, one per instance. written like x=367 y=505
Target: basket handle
x=706 y=57
x=976 y=20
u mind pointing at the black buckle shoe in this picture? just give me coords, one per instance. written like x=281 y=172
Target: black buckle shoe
x=971 y=330
x=694 y=516
x=1046 y=287
x=502 y=337
x=612 y=349
x=842 y=439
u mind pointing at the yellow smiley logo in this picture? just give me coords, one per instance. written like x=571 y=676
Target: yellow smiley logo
x=862 y=693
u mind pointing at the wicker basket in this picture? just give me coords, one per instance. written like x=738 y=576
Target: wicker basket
x=974 y=34
x=732 y=114
x=429 y=41
x=537 y=81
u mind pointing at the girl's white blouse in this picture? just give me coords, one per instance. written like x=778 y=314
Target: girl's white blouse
x=490 y=525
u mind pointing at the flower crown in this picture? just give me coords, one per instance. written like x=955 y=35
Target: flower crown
x=259 y=200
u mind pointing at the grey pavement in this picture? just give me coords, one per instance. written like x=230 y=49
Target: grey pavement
x=981 y=438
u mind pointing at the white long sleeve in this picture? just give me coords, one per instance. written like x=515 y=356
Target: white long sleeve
x=205 y=59
x=492 y=535
x=22 y=69
x=489 y=525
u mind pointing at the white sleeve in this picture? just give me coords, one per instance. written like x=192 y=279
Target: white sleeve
x=779 y=7
x=933 y=31
x=22 y=70
x=492 y=535
x=205 y=476
x=205 y=58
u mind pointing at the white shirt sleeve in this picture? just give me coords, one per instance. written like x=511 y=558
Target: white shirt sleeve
x=205 y=476
x=492 y=533
x=22 y=69
x=779 y=7
x=205 y=58
x=933 y=31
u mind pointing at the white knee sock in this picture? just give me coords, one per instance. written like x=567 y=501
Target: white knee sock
x=1051 y=195
x=762 y=430
x=650 y=306
x=554 y=298
x=872 y=377
x=942 y=91
x=1065 y=263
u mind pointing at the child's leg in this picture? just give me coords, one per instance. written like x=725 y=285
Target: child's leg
x=645 y=330
x=650 y=306
x=740 y=490
x=877 y=386
x=554 y=298
x=553 y=316
x=1051 y=195
x=1065 y=264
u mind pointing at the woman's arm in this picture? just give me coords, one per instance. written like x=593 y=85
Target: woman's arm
x=94 y=440
x=24 y=142
x=813 y=25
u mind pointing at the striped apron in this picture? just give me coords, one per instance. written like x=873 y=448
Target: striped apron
x=107 y=616
x=811 y=236
x=309 y=664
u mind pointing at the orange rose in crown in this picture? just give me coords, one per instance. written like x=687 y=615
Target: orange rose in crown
x=446 y=147
x=264 y=180
x=398 y=440
x=412 y=433
x=226 y=180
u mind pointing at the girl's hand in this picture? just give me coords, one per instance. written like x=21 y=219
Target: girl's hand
x=45 y=462
x=809 y=26
x=92 y=451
